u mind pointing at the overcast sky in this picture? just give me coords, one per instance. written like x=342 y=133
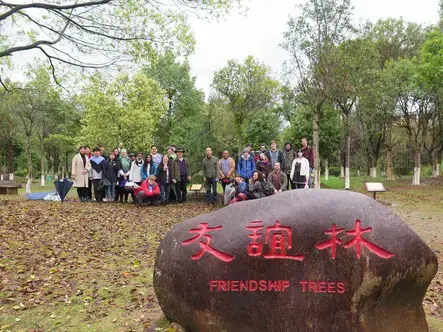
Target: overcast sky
x=260 y=31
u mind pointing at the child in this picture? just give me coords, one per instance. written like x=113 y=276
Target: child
x=148 y=193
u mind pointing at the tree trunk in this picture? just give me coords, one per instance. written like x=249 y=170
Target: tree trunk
x=348 y=155
x=67 y=165
x=389 y=164
x=10 y=157
x=437 y=167
x=316 y=149
x=342 y=171
x=29 y=176
x=326 y=169
x=417 y=164
x=42 y=164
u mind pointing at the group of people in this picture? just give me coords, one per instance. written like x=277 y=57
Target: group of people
x=156 y=178
x=261 y=173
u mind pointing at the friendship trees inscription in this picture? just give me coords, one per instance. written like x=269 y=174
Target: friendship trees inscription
x=279 y=238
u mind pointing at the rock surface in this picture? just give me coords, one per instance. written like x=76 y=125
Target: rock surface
x=300 y=261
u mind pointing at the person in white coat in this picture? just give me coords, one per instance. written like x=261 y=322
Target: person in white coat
x=300 y=171
x=80 y=169
x=135 y=173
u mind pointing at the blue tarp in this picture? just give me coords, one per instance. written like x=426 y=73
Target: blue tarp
x=39 y=196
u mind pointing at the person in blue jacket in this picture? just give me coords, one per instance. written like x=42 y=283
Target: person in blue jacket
x=246 y=166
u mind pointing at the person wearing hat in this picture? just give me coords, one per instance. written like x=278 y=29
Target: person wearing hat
x=288 y=159
x=180 y=175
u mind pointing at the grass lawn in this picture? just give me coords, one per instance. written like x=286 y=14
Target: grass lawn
x=88 y=267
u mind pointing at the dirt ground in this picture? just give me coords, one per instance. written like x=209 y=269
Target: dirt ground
x=88 y=267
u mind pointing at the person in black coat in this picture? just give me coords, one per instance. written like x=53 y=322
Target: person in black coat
x=110 y=173
x=163 y=175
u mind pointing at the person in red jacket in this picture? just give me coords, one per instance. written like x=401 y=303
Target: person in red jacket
x=148 y=193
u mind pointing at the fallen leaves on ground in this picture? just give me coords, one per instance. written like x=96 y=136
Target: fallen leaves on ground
x=78 y=265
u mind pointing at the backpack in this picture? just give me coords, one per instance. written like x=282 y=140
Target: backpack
x=267 y=189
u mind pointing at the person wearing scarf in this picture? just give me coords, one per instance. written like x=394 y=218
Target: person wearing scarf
x=96 y=174
x=124 y=165
x=164 y=178
x=135 y=173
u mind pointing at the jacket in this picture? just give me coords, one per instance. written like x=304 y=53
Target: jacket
x=264 y=167
x=145 y=188
x=111 y=171
x=97 y=166
x=304 y=168
x=240 y=188
x=231 y=171
x=283 y=180
x=149 y=170
x=279 y=157
x=255 y=190
x=175 y=166
x=288 y=158
x=81 y=180
x=135 y=173
x=309 y=154
x=210 y=167
x=162 y=176
x=246 y=167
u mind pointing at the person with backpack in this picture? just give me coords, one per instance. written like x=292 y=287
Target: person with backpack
x=257 y=186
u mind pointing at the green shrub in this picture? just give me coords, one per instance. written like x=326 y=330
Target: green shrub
x=21 y=173
x=426 y=170
x=334 y=171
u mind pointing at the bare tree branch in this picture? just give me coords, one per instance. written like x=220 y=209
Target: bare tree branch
x=47 y=6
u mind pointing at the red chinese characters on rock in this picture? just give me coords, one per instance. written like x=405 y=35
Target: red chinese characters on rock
x=206 y=246
x=277 y=237
x=357 y=241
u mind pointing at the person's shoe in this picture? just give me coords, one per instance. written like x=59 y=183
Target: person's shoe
x=105 y=200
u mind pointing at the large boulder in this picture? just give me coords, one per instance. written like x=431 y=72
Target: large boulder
x=304 y=260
